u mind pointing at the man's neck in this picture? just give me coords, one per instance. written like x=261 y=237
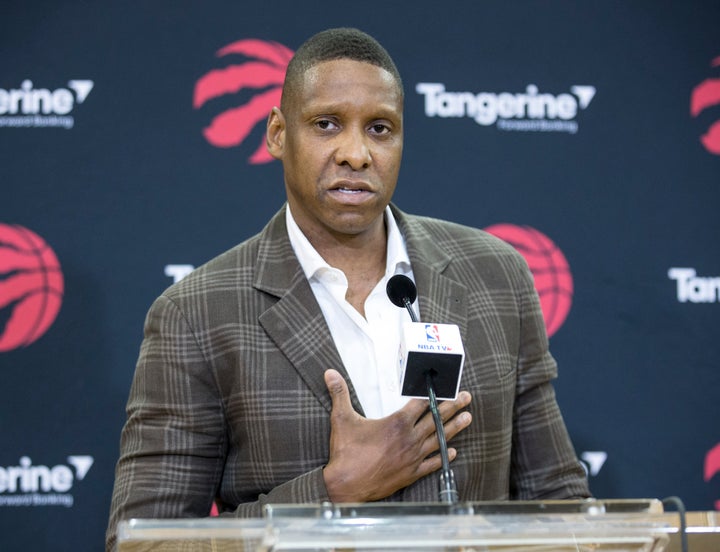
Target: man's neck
x=362 y=261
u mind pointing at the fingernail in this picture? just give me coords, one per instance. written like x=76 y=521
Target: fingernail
x=332 y=377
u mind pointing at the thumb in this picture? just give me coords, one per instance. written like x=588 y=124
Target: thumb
x=339 y=392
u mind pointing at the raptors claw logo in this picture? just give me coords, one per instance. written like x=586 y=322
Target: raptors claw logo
x=264 y=72
x=706 y=95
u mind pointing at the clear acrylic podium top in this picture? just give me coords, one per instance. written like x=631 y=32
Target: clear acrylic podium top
x=584 y=525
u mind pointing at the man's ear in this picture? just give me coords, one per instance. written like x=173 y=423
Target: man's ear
x=275 y=133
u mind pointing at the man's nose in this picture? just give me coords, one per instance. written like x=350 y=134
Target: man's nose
x=353 y=149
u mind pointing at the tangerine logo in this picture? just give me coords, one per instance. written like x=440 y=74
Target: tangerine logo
x=28 y=106
x=529 y=111
x=263 y=73
x=550 y=269
x=705 y=95
x=31 y=286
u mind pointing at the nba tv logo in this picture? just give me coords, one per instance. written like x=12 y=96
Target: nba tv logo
x=432 y=333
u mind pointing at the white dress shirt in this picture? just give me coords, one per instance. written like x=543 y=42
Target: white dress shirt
x=368 y=346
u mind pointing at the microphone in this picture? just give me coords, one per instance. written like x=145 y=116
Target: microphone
x=426 y=348
x=422 y=367
x=402 y=292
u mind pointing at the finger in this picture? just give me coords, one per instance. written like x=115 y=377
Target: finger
x=339 y=392
x=434 y=463
x=412 y=412
x=457 y=424
x=448 y=409
x=450 y=428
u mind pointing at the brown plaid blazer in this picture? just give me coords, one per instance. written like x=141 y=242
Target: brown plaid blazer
x=229 y=404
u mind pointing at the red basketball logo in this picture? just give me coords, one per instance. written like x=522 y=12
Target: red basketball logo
x=31 y=286
x=550 y=269
x=705 y=95
x=263 y=73
x=712 y=467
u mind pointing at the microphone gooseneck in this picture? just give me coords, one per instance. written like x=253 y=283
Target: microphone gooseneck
x=448 y=488
x=402 y=292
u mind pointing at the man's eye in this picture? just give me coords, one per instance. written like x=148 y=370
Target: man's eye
x=380 y=129
x=325 y=124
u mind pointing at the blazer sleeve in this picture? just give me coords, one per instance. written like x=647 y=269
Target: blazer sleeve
x=173 y=446
x=544 y=463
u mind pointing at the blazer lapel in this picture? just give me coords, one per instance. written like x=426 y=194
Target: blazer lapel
x=295 y=322
x=442 y=300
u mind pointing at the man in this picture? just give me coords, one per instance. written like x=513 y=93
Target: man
x=269 y=374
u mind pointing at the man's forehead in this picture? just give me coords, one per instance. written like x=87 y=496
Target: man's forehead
x=347 y=76
x=337 y=81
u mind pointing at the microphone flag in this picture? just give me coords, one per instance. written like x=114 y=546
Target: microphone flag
x=430 y=348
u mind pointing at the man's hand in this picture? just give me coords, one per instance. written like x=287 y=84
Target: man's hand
x=371 y=459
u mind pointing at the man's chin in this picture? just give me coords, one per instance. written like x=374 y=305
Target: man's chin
x=358 y=224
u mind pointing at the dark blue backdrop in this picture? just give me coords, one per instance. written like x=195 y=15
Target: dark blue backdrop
x=134 y=186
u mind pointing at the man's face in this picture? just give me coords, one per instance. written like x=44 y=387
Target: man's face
x=340 y=140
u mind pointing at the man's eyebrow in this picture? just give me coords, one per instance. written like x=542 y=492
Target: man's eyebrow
x=380 y=111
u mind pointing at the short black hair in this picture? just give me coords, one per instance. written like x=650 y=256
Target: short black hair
x=333 y=44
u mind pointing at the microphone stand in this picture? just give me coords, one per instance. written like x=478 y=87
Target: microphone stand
x=448 y=487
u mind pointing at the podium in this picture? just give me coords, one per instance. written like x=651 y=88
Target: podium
x=583 y=525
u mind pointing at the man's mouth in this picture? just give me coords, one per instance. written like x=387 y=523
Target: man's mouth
x=351 y=187
x=351 y=193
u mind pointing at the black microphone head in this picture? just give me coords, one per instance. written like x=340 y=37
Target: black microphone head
x=400 y=288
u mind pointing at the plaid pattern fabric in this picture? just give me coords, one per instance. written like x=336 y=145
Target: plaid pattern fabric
x=228 y=401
